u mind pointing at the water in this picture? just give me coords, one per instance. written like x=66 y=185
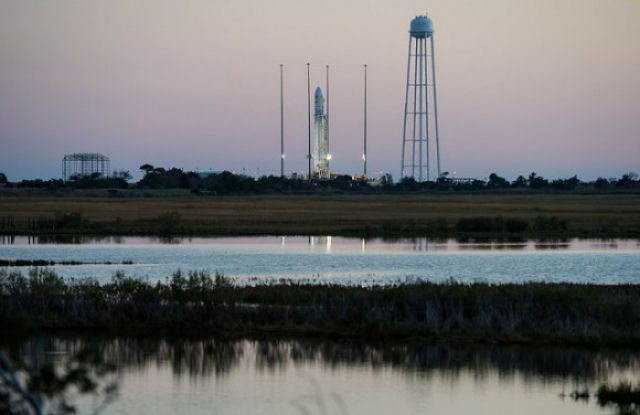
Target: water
x=341 y=260
x=302 y=376
x=198 y=376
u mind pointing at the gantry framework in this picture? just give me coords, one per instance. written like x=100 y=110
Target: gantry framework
x=84 y=164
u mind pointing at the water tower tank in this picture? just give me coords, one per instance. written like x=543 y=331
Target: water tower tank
x=421 y=27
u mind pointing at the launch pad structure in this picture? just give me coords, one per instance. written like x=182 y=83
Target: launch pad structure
x=84 y=164
x=420 y=157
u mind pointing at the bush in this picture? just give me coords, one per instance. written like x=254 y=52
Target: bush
x=67 y=220
x=549 y=224
x=623 y=395
x=475 y=225
x=169 y=222
x=515 y=225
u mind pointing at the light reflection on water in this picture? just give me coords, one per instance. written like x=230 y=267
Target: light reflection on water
x=341 y=244
x=169 y=375
x=324 y=259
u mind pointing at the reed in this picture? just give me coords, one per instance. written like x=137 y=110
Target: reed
x=623 y=395
x=196 y=302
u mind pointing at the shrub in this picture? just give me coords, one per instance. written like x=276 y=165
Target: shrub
x=67 y=220
x=516 y=225
x=549 y=224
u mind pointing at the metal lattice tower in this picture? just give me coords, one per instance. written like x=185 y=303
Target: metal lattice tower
x=84 y=164
x=420 y=126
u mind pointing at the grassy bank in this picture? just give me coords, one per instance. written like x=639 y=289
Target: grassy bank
x=349 y=215
x=46 y=263
x=197 y=303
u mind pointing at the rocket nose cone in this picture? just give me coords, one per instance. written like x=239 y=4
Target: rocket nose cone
x=318 y=92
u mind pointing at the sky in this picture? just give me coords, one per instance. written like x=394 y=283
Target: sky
x=550 y=86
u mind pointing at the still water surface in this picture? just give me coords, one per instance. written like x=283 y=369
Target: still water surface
x=341 y=260
x=243 y=376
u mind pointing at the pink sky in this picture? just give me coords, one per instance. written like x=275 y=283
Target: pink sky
x=544 y=85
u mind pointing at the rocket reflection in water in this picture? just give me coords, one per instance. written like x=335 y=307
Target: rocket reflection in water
x=321 y=154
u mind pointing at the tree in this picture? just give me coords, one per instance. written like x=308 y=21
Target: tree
x=601 y=183
x=194 y=182
x=407 y=184
x=521 y=181
x=497 y=182
x=47 y=389
x=147 y=168
x=229 y=183
x=3 y=178
x=386 y=180
x=122 y=174
x=573 y=182
x=537 y=182
x=628 y=180
x=565 y=184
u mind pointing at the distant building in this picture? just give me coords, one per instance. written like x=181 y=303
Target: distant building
x=84 y=164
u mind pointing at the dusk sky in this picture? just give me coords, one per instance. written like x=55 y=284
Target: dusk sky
x=551 y=86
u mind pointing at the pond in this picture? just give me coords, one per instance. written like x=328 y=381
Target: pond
x=326 y=259
x=284 y=376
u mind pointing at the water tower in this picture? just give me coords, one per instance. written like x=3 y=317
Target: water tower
x=420 y=128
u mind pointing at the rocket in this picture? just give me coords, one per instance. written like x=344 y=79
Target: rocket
x=319 y=103
x=321 y=154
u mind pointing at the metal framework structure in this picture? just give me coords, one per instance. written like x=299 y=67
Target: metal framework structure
x=420 y=125
x=84 y=164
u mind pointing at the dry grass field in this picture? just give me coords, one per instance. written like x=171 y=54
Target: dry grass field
x=333 y=214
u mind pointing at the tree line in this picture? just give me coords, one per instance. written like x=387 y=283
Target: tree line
x=225 y=183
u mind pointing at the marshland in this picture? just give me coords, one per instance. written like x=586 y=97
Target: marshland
x=562 y=313
x=100 y=295
x=386 y=215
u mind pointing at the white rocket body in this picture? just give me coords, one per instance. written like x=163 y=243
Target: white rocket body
x=321 y=154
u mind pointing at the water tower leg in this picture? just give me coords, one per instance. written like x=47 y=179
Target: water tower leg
x=435 y=103
x=415 y=109
x=426 y=108
x=406 y=102
x=421 y=56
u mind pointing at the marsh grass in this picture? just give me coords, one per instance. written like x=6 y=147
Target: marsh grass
x=196 y=302
x=624 y=395
x=45 y=263
x=361 y=215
